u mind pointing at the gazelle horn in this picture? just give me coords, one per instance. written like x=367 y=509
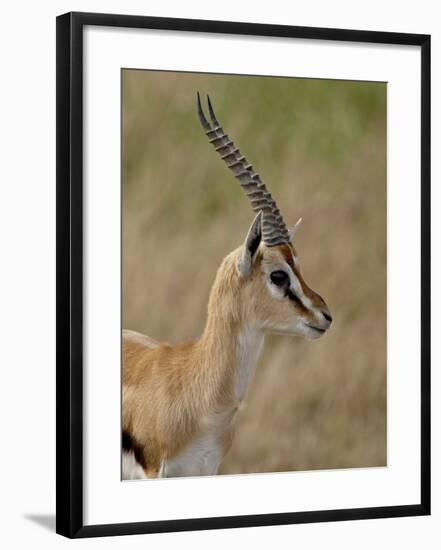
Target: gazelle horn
x=274 y=230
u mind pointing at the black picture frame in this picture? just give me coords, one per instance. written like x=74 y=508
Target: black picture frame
x=69 y=295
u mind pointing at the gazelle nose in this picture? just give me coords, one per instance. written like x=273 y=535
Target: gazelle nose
x=327 y=316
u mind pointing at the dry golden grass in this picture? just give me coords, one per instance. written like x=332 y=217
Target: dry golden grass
x=321 y=148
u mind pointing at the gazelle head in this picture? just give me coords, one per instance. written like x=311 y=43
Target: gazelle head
x=274 y=291
x=274 y=295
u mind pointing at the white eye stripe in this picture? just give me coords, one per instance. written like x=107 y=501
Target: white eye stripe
x=294 y=282
x=296 y=287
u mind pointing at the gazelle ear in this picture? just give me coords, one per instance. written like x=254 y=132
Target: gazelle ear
x=293 y=230
x=250 y=246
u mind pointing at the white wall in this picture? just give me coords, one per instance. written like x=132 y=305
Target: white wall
x=27 y=300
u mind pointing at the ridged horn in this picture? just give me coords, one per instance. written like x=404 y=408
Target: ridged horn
x=274 y=230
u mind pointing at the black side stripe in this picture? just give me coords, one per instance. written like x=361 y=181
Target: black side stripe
x=129 y=444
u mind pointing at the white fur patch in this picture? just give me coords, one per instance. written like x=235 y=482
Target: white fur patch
x=131 y=469
x=201 y=457
x=250 y=346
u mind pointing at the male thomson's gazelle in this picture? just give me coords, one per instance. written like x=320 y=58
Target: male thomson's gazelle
x=180 y=401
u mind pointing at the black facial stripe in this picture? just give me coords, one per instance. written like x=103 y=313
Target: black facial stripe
x=294 y=298
x=284 y=284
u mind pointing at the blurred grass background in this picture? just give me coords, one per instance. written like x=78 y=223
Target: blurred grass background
x=320 y=146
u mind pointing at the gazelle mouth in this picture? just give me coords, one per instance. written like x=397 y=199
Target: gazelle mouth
x=318 y=329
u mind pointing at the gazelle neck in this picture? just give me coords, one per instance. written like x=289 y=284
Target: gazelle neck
x=229 y=355
x=230 y=345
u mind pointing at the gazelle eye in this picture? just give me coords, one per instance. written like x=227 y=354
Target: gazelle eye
x=279 y=278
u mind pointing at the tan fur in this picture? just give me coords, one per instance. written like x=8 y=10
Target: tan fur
x=173 y=394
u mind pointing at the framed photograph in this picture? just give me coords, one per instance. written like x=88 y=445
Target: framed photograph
x=243 y=274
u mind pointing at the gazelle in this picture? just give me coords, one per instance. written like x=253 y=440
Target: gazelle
x=180 y=401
